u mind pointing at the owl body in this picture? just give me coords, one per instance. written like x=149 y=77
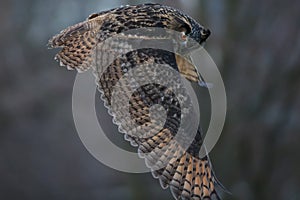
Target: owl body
x=172 y=157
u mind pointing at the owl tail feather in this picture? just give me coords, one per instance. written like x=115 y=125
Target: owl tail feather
x=78 y=43
x=188 y=177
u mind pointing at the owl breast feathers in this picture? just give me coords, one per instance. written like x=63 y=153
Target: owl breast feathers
x=87 y=45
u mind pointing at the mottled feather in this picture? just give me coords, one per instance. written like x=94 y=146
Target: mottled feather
x=86 y=45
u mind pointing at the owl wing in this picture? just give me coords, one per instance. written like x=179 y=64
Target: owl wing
x=177 y=167
x=188 y=175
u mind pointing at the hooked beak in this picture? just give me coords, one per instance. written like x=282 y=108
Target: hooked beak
x=205 y=33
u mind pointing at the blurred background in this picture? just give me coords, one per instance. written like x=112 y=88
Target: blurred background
x=255 y=44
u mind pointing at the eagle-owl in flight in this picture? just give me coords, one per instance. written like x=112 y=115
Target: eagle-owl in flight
x=84 y=46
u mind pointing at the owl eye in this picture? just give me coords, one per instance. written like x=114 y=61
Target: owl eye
x=183 y=36
x=94 y=15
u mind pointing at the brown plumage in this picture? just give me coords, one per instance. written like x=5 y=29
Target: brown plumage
x=87 y=45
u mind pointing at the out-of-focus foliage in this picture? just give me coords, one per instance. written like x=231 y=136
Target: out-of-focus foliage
x=256 y=46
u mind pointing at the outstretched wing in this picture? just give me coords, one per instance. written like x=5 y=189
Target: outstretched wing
x=188 y=176
x=168 y=149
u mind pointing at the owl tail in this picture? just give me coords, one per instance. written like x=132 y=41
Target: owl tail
x=188 y=177
x=78 y=43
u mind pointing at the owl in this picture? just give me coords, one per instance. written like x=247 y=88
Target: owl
x=103 y=43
